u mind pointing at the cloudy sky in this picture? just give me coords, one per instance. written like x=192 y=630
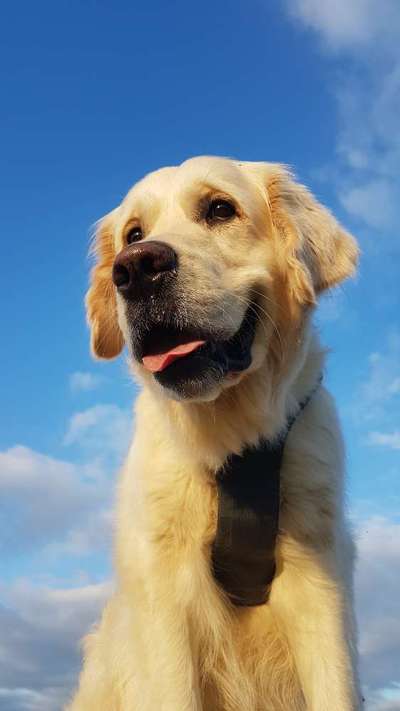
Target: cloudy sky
x=96 y=95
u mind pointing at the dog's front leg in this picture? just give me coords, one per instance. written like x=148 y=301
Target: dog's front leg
x=162 y=516
x=314 y=606
x=165 y=657
x=171 y=682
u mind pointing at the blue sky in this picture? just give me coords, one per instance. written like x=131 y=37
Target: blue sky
x=95 y=95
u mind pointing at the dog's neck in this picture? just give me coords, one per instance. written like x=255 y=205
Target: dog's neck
x=256 y=407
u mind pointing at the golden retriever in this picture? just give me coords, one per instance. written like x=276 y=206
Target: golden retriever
x=182 y=263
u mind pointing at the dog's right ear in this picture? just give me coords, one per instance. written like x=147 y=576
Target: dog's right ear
x=101 y=308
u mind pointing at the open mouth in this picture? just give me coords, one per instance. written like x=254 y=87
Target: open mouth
x=190 y=360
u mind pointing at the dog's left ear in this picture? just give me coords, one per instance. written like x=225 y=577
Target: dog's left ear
x=319 y=251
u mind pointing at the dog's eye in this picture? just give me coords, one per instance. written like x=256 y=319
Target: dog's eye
x=134 y=235
x=220 y=210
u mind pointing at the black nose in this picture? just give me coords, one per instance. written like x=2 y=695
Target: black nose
x=142 y=268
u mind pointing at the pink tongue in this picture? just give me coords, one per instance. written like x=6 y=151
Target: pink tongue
x=156 y=363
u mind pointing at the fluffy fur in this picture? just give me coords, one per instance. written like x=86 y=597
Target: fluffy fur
x=169 y=639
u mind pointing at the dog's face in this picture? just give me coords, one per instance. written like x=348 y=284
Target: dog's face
x=208 y=268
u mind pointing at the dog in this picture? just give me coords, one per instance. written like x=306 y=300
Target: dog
x=209 y=273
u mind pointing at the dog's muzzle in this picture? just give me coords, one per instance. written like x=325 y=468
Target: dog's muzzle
x=184 y=354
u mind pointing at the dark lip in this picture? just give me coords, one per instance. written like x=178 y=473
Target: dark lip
x=225 y=355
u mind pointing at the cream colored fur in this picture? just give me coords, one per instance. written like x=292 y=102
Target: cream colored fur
x=168 y=639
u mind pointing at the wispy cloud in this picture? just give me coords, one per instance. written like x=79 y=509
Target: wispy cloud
x=91 y=535
x=41 y=631
x=105 y=428
x=386 y=699
x=349 y=25
x=367 y=35
x=330 y=306
x=54 y=505
x=84 y=381
x=375 y=202
x=385 y=439
x=22 y=699
x=377 y=398
x=42 y=498
x=55 y=510
x=377 y=595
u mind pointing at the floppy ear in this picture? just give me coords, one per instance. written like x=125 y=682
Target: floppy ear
x=106 y=337
x=317 y=251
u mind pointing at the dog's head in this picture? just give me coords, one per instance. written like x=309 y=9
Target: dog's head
x=207 y=269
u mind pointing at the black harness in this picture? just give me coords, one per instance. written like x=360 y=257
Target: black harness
x=243 y=552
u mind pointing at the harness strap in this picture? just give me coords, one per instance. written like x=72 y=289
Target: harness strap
x=243 y=551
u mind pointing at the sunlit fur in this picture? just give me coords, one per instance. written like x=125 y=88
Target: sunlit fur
x=168 y=639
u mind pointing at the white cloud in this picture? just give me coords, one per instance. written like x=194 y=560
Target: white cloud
x=377 y=396
x=375 y=202
x=385 y=439
x=21 y=699
x=52 y=505
x=93 y=534
x=394 y=387
x=84 y=381
x=348 y=25
x=377 y=595
x=55 y=510
x=41 y=632
x=330 y=306
x=42 y=498
x=366 y=33
x=387 y=699
x=56 y=609
x=334 y=305
x=103 y=428
x=368 y=144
